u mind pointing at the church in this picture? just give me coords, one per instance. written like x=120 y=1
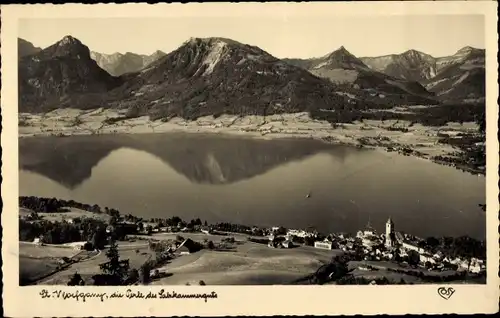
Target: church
x=390 y=236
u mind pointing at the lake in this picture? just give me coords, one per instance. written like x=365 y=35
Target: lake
x=255 y=182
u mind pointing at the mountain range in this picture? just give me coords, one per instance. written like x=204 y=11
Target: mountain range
x=212 y=76
x=118 y=64
x=458 y=76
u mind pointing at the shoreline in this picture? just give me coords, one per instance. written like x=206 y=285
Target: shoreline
x=401 y=137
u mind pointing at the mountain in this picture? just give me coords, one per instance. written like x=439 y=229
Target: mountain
x=460 y=76
x=62 y=75
x=343 y=68
x=118 y=64
x=411 y=65
x=25 y=48
x=212 y=76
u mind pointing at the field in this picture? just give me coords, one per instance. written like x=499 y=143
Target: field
x=36 y=262
x=73 y=213
x=90 y=266
x=421 y=138
x=33 y=269
x=239 y=263
x=243 y=263
x=46 y=251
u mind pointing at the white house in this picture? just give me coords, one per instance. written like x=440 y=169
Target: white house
x=287 y=244
x=456 y=261
x=438 y=256
x=327 y=245
x=413 y=247
x=424 y=258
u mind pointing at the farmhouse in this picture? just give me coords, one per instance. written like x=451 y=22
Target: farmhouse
x=186 y=247
x=326 y=244
x=424 y=258
x=276 y=241
x=412 y=247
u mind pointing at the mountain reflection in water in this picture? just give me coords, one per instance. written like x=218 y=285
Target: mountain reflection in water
x=252 y=181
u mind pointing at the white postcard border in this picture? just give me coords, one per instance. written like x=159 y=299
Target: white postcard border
x=240 y=300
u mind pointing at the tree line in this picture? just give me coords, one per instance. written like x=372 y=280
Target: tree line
x=86 y=229
x=438 y=115
x=45 y=205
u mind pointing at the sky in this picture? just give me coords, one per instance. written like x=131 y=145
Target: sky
x=281 y=36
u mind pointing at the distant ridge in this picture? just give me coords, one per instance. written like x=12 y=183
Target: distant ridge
x=118 y=64
x=213 y=76
x=25 y=48
x=460 y=76
x=62 y=75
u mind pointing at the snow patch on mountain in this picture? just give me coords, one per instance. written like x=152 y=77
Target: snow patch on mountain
x=462 y=78
x=432 y=84
x=214 y=57
x=320 y=65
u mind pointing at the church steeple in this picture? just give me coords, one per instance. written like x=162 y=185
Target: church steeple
x=389 y=221
x=389 y=233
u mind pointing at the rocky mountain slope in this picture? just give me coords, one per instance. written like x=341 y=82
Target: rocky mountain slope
x=202 y=77
x=213 y=76
x=456 y=77
x=460 y=77
x=62 y=75
x=25 y=48
x=411 y=65
x=343 y=68
x=118 y=64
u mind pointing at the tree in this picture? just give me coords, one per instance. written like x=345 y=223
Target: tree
x=202 y=283
x=140 y=226
x=336 y=270
x=210 y=245
x=133 y=276
x=76 y=280
x=397 y=255
x=115 y=266
x=145 y=273
x=99 y=238
x=309 y=241
x=432 y=242
x=113 y=220
x=413 y=258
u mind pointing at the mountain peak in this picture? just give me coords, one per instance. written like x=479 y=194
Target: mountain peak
x=68 y=46
x=213 y=40
x=69 y=40
x=341 y=58
x=466 y=50
x=25 y=48
x=412 y=52
x=342 y=50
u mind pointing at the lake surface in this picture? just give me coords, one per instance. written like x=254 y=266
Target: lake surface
x=255 y=182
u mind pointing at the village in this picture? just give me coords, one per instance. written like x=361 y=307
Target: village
x=151 y=245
